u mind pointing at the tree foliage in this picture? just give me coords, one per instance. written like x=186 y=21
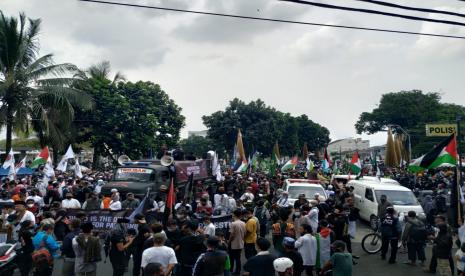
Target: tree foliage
x=135 y=119
x=261 y=127
x=196 y=146
x=411 y=110
x=34 y=95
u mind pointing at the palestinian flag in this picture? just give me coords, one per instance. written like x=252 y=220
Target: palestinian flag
x=444 y=153
x=243 y=167
x=355 y=164
x=326 y=163
x=41 y=159
x=290 y=165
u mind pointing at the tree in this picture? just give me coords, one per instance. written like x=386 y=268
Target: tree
x=411 y=110
x=261 y=127
x=196 y=145
x=135 y=119
x=33 y=94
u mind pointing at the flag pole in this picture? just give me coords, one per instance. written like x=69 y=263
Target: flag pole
x=459 y=171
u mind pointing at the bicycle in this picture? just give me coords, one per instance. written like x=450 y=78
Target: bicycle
x=372 y=242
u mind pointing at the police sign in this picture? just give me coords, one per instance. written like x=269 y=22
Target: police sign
x=440 y=129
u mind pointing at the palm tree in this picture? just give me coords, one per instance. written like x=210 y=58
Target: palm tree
x=35 y=93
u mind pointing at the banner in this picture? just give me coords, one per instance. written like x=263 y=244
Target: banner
x=102 y=220
x=185 y=168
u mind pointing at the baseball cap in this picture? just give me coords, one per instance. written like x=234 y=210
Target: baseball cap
x=282 y=264
x=288 y=241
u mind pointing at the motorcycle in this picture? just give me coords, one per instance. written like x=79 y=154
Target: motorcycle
x=7 y=259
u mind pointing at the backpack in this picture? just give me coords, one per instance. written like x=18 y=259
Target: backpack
x=418 y=233
x=42 y=257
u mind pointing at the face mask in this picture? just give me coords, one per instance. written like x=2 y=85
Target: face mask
x=69 y=197
x=180 y=216
x=30 y=205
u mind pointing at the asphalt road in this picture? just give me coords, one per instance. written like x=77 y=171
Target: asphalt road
x=368 y=265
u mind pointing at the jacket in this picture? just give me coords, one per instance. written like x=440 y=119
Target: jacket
x=212 y=263
x=50 y=243
x=390 y=227
x=443 y=246
x=407 y=233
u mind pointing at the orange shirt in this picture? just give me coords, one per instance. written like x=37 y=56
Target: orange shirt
x=106 y=202
x=16 y=197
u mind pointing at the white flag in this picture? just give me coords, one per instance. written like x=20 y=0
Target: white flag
x=10 y=160
x=69 y=153
x=21 y=164
x=48 y=169
x=217 y=168
x=77 y=169
x=63 y=164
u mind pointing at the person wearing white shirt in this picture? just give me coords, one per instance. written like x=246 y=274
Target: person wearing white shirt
x=313 y=215
x=70 y=202
x=283 y=201
x=209 y=228
x=37 y=199
x=461 y=231
x=22 y=216
x=115 y=205
x=307 y=247
x=161 y=254
x=248 y=195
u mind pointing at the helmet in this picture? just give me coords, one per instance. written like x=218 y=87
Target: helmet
x=282 y=264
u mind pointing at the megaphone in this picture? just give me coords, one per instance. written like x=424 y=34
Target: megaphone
x=166 y=160
x=123 y=159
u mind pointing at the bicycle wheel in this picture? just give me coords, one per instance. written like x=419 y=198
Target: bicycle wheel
x=371 y=243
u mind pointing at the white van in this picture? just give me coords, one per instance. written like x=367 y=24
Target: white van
x=295 y=187
x=367 y=195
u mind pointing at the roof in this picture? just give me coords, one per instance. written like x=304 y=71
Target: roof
x=379 y=185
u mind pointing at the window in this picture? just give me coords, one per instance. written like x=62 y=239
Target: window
x=369 y=194
x=164 y=176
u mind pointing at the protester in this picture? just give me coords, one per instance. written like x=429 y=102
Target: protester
x=45 y=239
x=307 y=247
x=70 y=203
x=340 y=262
x=87 y=249
x=24 y=258
x=282 y=229
x=390 y=233
x=283 y=266
x=291 y=253
x=118 y=242
x=159 y=253
x=190 y=247
x=67 y=250
x=262 y=263
x=213 y=261
x=442 y=248
x=414 y=236
x=22 y=215
x=130 y=202
x=237 y=233
x=250 y=235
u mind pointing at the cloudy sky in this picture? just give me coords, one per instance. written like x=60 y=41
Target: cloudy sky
x=202 y=62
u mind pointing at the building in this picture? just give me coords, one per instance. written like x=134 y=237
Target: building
x=348 y=145
x=201 y=133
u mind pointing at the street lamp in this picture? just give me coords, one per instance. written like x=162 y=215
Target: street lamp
x=408 y=137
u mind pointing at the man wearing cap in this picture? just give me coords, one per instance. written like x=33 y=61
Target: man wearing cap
x=119 y=242
x=22 y=215
x=160 y=253
x=291 y=253
x=283 y=200
x=70 y=203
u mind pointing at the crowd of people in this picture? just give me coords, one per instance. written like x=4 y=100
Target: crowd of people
x=312 y=236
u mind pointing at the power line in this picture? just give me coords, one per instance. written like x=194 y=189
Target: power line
x=274 y=20
x=409 y=17
x=411 y=8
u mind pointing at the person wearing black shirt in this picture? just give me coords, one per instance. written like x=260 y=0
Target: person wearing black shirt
x=119 y=242
x=300 y=202
x=291 y=253
x=390 y=233
x=262 y=263
x=67 y=250
x=190 y=247
x=23 y=257
x=143 y=232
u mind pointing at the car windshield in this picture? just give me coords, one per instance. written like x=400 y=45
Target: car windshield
x=134 y=174
x=398 y=197
x=309 y=191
